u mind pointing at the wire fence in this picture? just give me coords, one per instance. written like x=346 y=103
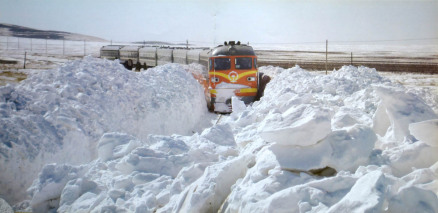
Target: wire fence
x=50 y=47
x=47 y=53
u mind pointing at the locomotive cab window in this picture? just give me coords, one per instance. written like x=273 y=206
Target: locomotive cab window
x=243 y=63
x=255 y=63
x=210 y=65
x=222 y=63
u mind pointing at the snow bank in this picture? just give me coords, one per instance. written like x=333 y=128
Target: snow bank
x=59 y=115
x=145 y=176
x=351 y=141
x=353 y=125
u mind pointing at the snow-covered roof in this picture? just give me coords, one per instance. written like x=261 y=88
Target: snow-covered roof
x=130 y=48
x=112 y=47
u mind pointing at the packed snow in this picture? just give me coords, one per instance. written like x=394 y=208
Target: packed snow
x=60 y=115
x=351 y=141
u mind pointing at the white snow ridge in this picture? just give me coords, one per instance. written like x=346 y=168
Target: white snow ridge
x=60 y=115
x=351 y=141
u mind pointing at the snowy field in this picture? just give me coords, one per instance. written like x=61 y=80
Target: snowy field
x=116 y=140
x=91 y=136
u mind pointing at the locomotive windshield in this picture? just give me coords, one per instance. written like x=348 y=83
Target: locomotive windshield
x=244 y=63
x=222 y=63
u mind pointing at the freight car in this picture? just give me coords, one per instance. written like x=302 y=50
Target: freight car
x=110 y=52
x=145 y=57
x=129 y=56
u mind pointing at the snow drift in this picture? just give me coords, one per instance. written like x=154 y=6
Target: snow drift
x=351 y=141
x=61 y=115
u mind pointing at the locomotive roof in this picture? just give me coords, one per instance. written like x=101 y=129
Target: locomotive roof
x=232 y=49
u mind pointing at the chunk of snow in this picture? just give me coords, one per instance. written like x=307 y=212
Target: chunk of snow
x=426 y=131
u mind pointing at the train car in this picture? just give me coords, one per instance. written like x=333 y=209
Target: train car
x=204 y=56
x=164 y=56
x=129 y=56
x=232 y=72
x=110 y=52
x=148 y=56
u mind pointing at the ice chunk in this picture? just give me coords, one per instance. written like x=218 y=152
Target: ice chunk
x=371 y=187
x=426 y=131
x=301 y=126
x=341 y=150
x=400 y=109
x=46 y=190
x=413 y=199
x=202 y=196
x=237 y=105
x=110 y=145
x=220 y=134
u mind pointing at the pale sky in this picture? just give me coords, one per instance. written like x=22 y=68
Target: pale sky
x=256 y=21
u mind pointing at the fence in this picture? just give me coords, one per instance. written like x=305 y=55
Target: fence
x=18 y=53
x=50 y=47
x=47 y=53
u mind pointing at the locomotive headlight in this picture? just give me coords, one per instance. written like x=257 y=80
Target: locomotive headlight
x=214 y=79
x=251 y=78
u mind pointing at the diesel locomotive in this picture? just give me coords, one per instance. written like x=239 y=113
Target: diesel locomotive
x=232 y=71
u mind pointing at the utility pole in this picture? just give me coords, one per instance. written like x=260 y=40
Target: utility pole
x=24 y=64
x=187 y=44
x=351 y=58
x=326 y=53
x=31 y=49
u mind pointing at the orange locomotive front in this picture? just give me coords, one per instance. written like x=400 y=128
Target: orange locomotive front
x=232 y=72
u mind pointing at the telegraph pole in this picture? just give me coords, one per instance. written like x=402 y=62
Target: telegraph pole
x=63 y=46
x=24 y=64
x=351 y=58
x=326 y=53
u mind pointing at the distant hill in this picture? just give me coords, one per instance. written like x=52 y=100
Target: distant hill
x=26 y=32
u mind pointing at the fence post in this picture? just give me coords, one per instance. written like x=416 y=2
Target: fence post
x=326 y=53
x=351 y=58
x=24 y=64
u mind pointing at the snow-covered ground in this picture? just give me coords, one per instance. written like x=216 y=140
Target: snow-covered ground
x=114 y=140
x=59 y=115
